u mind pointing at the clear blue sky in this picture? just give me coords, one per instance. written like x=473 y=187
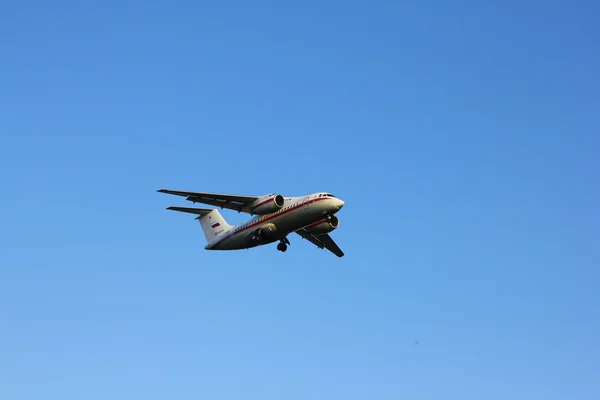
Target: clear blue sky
x=463 y=137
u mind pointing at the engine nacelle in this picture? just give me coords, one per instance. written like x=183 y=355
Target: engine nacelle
x=324 y=226
x=267 y=204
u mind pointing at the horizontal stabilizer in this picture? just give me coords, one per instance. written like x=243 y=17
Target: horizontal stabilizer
x=211 y=221
x=198 y=211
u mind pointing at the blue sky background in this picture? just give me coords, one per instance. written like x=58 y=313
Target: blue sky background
x=463 y=138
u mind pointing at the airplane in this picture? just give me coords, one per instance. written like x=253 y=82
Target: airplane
x=274 y=218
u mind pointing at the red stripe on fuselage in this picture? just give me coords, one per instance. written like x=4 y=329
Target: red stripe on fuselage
x=274 y=215
x=263 y=203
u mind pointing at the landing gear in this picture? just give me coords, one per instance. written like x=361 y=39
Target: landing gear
x=281 y=247
x=257 y=235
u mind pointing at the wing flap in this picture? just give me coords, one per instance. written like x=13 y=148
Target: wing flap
x=321 y=241
x=230 y=201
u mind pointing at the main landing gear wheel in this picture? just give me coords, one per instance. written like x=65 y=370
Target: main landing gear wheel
x=281 y=246
x=257 y=235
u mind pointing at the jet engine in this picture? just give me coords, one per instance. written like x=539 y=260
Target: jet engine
x=267 y=204
x=324 y=226
x=264 y=232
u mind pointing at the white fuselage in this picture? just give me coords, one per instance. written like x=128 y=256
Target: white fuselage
x=297 y=213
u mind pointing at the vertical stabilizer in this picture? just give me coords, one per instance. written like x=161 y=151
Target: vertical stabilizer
x=212 y=223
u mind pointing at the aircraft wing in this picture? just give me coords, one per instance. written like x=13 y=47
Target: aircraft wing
x=232 y=202
x=321 y=241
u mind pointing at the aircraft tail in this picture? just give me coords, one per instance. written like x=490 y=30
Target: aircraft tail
x=212 y=223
